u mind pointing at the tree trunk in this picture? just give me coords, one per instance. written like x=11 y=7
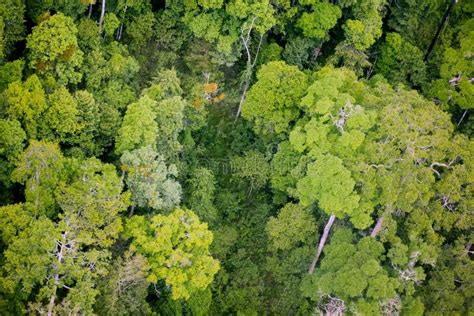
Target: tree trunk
x=102 y=14
x=56 y=276
x=242 y=98
x=462 y=117
x=377 y=227
x=119 y=32
x=440 y=28
x=322 y=241
x=90 y=11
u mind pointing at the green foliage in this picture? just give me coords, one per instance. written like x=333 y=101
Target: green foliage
x=10 y=72
x=53 y=49
x=454 y=87
x=293 y=226
x=299 y=51
x=317 y=23
x=111 y=23
x=170 y=120
x=329 y=183
x=125 y=288
x=61 y=117
x=280 y=86
x=202 y=189
x=176 y=248
x=253 y=167
x=353 y=273
x=12 y=139
x=333 y=125
x=39 y=168
x=26 y=103
x=12 y=26
x=139 y=128
x=401 y=62
x=69 y=251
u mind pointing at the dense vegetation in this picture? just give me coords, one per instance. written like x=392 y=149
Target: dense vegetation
x=241 y=157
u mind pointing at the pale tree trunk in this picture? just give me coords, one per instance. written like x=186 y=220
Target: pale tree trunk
x=377 y=227
x=59 y=254
x=90 y=11
x=322 y=241
x=462 y=117
x=102 y=14
x=250 y=62
x=119 y=32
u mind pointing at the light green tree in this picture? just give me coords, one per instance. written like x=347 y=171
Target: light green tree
x=176 y=248
x=26 y=102
x=61 y=118
x=272 y=102
x=12 y=140
x=139 y=128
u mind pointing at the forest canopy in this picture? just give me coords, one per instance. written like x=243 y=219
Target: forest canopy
x=236 y=157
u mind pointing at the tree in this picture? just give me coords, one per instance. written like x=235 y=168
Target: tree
x=53 y=49
x=202 y=190
x=10 y=72
x=12 y=28
x=61 y=118
x=450 y=288
x=40 y=169
x=290 y=242
x=454 y=87
x=139 y=128
x=281 y=87
x=89 y=120
x=151 y=182
x=26 y=102
x=176 y=248
x=125 y=288
x=401 y=62
x=316 y=24
x=12 y=139
x=170 y=121
x=353 y=274
x=253 y=167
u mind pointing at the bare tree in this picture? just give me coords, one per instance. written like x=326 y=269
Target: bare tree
x=245 y=35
